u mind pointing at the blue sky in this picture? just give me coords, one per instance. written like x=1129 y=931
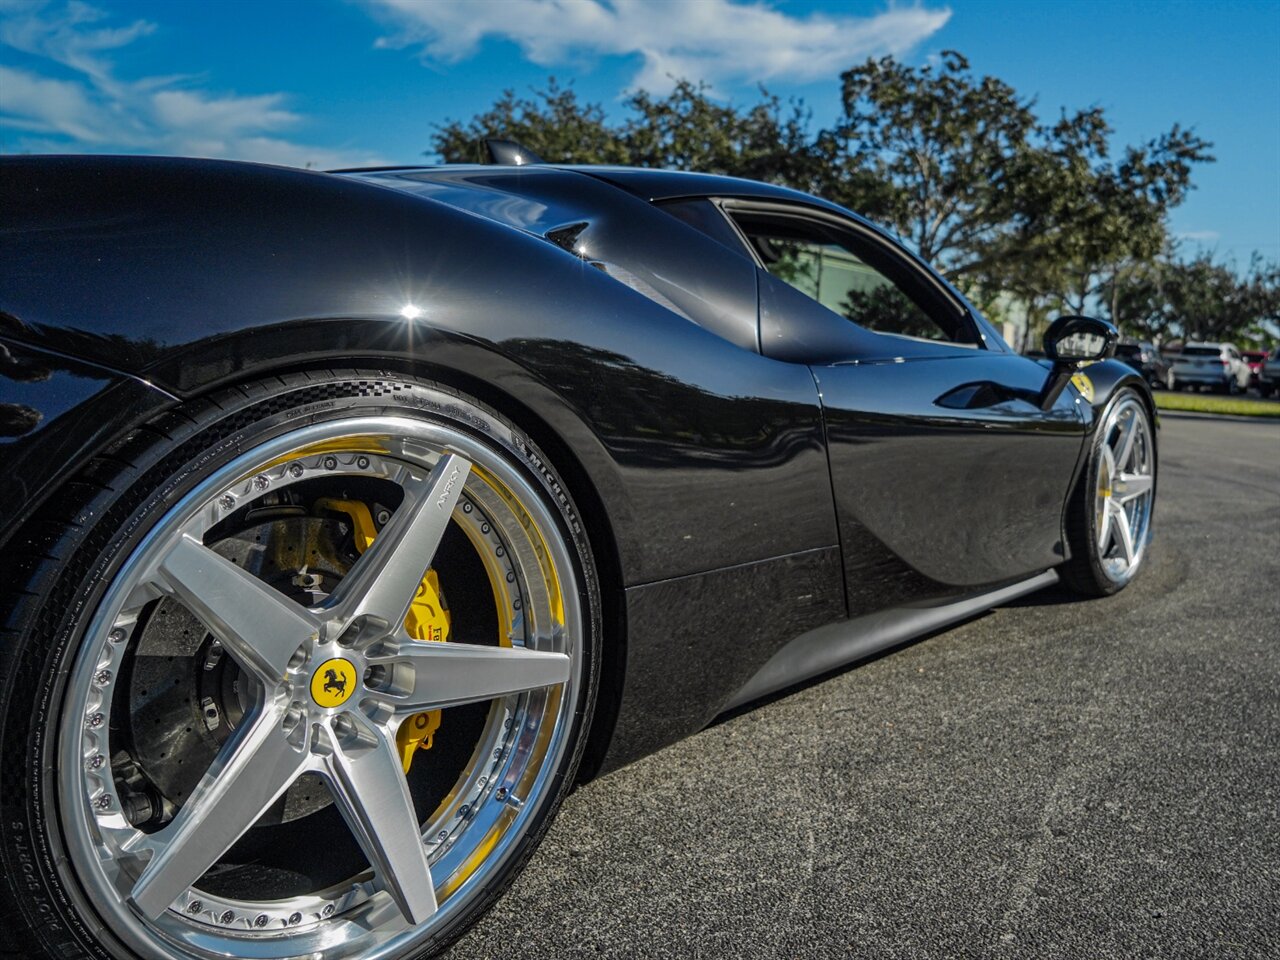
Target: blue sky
x=338 y=82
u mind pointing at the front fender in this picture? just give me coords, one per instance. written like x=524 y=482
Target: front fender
x=1105 y=378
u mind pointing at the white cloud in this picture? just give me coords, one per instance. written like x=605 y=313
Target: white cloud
x=710 y=40
x=1200 y=236
x=228 y=116
x=39 y=104
x=86 y=105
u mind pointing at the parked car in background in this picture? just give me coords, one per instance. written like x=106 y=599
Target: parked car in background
x=1216 y=366
x=1269 y=375
x=1143 y=356
x=1254 y=360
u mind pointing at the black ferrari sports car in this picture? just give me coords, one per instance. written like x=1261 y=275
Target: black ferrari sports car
x=349 y=519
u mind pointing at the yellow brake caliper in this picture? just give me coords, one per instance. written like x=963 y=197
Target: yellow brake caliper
x=427 y=620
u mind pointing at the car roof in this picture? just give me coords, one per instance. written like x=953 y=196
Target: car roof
x=659 y=185
x=652 y=185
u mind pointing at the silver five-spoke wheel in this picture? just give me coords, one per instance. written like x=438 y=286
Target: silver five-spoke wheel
x=321 y=699
x=1124 y=489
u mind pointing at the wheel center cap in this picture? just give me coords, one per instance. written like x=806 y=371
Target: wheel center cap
x=333 y=683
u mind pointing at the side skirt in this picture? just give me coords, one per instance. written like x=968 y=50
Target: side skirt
x=836 y=644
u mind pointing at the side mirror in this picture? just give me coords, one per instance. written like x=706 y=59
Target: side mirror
x=1080 y=340
x=1069 y=342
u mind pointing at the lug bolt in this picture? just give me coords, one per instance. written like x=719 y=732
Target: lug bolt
x=195 y=906
x=96 y=761
x=466 y=508
x=295 y=470
x=501 y=794
x=295 y=919
x=261 y=482
x=331 y=463
x=499 y=552
x=464 y=811
x=362 y=463
x=227 y=917
x=96 y=720
x=261 y=920
x=103 y=677
x=442 y=836
x=116 y=635
x=226 y=501
x=328 y=910
x=103 y=802
x=515 y=604
x=383 y=516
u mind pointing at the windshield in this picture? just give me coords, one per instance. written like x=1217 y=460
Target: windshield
x=1201 y=352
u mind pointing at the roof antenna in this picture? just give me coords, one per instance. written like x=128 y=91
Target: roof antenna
x=510 y=153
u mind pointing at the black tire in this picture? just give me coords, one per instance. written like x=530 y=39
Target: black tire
x=58 y=568
x=1084 y=573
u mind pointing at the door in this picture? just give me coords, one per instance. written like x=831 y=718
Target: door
x=947 y=474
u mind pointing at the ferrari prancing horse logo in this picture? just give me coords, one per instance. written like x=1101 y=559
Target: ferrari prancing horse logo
x=333 y=682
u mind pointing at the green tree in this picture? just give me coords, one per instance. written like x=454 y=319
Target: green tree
x=1200 y=299
x=552 y=123
x=685 y=129
x=934 y=154
x=960 y=166
x=689 y=130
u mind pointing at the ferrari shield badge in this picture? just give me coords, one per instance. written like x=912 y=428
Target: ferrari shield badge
x=1083 y=384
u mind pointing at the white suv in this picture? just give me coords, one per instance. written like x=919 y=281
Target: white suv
x=1217 y=366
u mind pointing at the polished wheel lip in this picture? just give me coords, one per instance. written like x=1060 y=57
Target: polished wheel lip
x=1125 y=490
x=509 y=795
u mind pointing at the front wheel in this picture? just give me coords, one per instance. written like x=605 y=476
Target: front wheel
x=1109 y=517
x=303 y=670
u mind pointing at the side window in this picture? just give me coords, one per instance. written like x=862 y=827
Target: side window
x=822 y=263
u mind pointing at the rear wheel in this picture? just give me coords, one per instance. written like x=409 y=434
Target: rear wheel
x=309 y=674
x=1109 y=518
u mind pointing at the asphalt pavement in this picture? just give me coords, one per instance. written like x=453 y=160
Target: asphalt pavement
x=1056 y=778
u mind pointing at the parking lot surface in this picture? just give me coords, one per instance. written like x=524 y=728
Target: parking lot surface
x=1054 y=779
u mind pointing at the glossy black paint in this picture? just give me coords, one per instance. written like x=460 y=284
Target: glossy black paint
x=736 y=491
x=986 y=476
x=55 y=412
x=707 y=635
